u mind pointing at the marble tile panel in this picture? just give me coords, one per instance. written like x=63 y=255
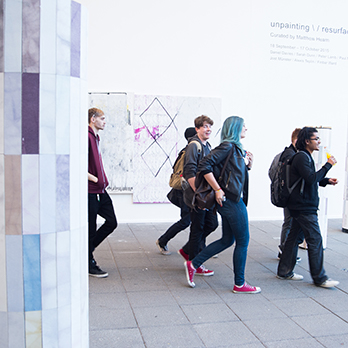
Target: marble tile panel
x=13 y=113
x=4 y=328
x=32 y=272
x=1 y=36
x=31 y=36
x=83 y=117
x=76 y=291
x=75 y=52
x=63 y=115
x=14 y=271
x=83 y=190
x=13 y=195
x=84 y=309
x=30 y=113
x=47 y=193
x=49 y=271
x=47 y=114
x=13 y=36
x=30 y=194
x=2 y=95
x=84 y=44
x=2 y=194
x=63 y=269
x=3 y=276
x=63 y=193
x=63 y=37
x=48 y=32
x=64 y=327
x=50 y=328
x=33 y=329
x=16 y=329
x=75 y=176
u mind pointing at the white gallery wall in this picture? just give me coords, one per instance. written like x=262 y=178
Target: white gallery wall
x=278 y=64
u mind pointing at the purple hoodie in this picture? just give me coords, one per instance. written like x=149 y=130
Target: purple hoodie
x=95 y=164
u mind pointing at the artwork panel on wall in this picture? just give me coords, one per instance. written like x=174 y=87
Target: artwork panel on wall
x=143 y=136
x=116 y=140
x=159 y=126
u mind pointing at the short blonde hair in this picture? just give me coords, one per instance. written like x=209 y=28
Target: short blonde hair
x=94 y=112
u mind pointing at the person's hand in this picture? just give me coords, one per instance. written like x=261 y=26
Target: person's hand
x=92 y=178
x=333 y=181
x=220 y=197
x=332 y=160
x=250 y=157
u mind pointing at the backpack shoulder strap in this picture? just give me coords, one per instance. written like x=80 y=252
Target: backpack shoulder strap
x=198 y=144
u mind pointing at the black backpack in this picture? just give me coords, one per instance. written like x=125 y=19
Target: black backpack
x=280 y=181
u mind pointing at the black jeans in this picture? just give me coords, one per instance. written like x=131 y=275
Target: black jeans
x=179 y=226
x=310 y=227
x=286 y=229
x=203 y=222
x=99 y=204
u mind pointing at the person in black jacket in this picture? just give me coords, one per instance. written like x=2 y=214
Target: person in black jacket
x=203 y=222
x=303 y=208
x=185 y=219
x=288 y=153
x=231 y=194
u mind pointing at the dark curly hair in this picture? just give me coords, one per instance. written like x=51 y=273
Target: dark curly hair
x=305 y=134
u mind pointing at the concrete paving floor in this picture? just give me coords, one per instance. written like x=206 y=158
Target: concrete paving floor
x=146 y=301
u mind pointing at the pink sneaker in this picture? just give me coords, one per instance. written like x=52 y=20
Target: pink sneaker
x=246 y=289
x=183 y=254
x=190 y=273
x=202 y=271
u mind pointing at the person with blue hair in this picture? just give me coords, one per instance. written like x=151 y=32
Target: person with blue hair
x=231 y=194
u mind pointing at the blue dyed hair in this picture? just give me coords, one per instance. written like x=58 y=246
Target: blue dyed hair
x=231 y=130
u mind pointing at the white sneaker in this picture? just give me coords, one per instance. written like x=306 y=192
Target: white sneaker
x=164 y=250
x=329 y=283
x=294 y=276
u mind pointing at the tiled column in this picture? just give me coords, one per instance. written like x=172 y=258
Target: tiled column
x=345 y=196
x=43 y=174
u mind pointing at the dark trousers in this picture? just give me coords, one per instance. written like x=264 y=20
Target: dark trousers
x=286 y=229
x=203 y=222
x=99 y=204
x=310 y=227
x=179 y=226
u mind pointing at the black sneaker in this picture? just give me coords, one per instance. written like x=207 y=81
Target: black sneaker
x=95 y=271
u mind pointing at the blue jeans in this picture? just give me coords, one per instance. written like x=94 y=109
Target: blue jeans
x=310 y=227
x=235 y=228
x=179 y=226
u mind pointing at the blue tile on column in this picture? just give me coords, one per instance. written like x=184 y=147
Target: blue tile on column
x=75 y=39
x=32 y=272
x=30 y=113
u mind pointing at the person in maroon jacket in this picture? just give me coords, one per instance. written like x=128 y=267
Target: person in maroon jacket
x=99 y=201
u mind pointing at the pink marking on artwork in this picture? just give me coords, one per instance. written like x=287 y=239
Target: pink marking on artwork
x=155 y=132
x=137 y=133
